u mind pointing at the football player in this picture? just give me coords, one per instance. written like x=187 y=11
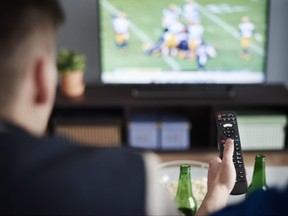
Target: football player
x=195 y=31
x=203 y=53
x=121 y=27
x=191 y=12
x=247 y=29
x=170 y=15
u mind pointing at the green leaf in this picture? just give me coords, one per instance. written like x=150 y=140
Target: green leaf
x=69 y=61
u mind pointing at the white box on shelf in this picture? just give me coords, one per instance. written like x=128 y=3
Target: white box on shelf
x=143 y=131
x=262 y=132
x=175 y=133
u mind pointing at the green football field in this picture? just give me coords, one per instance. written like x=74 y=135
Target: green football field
x=220 y=18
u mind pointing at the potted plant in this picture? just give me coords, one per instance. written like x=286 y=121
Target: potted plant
x=71 y=68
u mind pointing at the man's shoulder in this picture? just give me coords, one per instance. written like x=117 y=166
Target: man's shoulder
x=32 y=150
x=63 y=173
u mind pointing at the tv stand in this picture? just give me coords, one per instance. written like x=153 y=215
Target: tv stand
x=108 y=106
x=196 y=92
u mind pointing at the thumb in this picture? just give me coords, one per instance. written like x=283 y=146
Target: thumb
x=228 y=149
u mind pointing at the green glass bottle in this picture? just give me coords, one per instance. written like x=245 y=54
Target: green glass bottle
x=259 y=175
x=184 y=196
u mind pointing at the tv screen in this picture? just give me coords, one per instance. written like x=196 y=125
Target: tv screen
x=183 y=41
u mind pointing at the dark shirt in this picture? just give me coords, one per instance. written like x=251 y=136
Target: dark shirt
x=271 y=202
x=53 y=176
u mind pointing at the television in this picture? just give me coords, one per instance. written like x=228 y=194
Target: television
x=183 y=41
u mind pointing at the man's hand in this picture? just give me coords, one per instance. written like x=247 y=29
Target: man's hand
x=221 y=180
x=222 y=173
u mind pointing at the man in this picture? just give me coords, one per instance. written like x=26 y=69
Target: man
x=121 y=26
x=221 y=179
x=247 y=29
x=203 y=53
x=191 y=12
x=45 y=175
x=195 y=38
x=170 y=15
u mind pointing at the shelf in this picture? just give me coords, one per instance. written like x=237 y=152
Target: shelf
x=115 y=103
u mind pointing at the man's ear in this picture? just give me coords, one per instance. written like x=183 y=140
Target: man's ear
x=40 y=82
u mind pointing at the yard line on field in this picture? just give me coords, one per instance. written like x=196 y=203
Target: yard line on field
x=229 y=29
x=140 y=34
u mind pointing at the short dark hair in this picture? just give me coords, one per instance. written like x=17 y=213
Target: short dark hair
x=19 y=19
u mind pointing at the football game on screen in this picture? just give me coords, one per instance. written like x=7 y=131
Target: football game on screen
x=183 y=41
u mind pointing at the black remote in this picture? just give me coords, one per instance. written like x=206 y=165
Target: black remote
x=227 y=127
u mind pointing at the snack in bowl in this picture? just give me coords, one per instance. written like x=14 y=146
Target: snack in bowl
x=169 y=174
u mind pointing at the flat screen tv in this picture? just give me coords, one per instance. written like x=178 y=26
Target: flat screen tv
x=183 y=41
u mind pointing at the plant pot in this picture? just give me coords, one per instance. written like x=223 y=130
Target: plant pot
x=71 y=84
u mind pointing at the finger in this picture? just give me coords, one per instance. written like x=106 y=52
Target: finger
x=215 y=160
x=228 y=149
x=214 y=163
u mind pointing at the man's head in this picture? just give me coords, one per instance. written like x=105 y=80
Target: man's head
x=27 y=56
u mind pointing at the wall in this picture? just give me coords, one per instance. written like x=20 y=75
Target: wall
x=278 y=47
x=80 y=33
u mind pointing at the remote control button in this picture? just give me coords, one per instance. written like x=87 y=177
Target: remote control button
x=227 y=125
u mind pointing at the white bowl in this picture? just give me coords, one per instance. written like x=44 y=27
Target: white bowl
x=169 y=175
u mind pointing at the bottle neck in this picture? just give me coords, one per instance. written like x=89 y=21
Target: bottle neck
x=185 y=181
x=259 y=174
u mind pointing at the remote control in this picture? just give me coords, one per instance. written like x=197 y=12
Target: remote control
x=227 y=127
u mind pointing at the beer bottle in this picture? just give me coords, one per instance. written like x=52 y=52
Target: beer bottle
x=184 y=197
x=259 y=175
